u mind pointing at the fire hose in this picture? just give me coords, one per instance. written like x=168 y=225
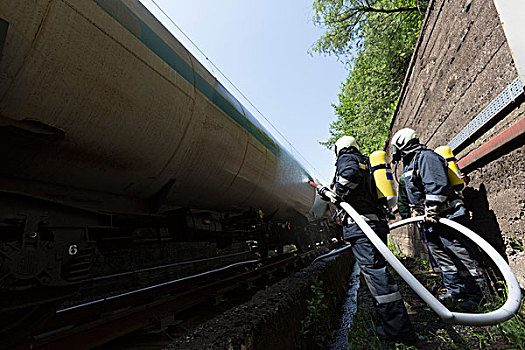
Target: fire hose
x=505 y=312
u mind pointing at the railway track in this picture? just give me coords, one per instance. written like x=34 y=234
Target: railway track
x=98 y=322
x=121 y=282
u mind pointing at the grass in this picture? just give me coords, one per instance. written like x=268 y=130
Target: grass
x=395 y=248
x=514 y=329
x=362 y=334
x=515 y=243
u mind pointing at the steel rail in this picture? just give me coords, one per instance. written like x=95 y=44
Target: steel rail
x=102 y=322
x=148 y=269
x=156 y=286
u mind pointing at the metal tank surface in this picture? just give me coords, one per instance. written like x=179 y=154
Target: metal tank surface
x=102 y=108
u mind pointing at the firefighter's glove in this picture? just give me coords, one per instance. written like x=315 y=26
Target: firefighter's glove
x=465 y=178
x=323 y=192
x=431 y=214
x=416 y=212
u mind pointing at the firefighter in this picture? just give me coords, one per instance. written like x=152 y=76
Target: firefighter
x=354 y=184
x=430 y=193
x=403 y=206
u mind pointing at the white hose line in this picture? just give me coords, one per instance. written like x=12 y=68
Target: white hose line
x=513 y=301
x=505 y=312
x=332 y=253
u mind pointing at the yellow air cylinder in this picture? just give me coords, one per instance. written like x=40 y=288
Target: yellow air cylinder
x=383 y=177
x=454 y=175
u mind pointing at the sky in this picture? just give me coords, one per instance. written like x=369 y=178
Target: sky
x=262 y=48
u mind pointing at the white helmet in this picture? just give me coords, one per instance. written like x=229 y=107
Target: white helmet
x=400 y=141
x=345 y=142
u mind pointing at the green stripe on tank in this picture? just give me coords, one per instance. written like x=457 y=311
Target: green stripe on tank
x=131 y=22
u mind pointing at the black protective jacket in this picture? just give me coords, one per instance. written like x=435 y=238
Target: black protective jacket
x=354 y=183
x=426 y=180
x=402 y=199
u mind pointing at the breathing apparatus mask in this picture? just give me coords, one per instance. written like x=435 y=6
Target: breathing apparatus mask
x=396 y=154
x=403 y=142
x=401 y=154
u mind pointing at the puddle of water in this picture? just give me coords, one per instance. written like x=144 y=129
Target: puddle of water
x=340 y=336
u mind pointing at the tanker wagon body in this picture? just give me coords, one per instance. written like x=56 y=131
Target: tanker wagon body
x=108 y=122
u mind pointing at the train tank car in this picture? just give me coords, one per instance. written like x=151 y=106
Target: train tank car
x=102 y=113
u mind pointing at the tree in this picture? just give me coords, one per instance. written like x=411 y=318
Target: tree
x=375 y=38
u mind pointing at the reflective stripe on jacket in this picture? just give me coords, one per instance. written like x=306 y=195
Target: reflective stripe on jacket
x=426 y=180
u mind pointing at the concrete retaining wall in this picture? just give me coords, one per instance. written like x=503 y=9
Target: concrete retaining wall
x=272 y=318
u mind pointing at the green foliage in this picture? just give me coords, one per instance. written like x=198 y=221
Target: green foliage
x=483 y=340
x=446 y=341
x=346 y=21
x=289 y=248
x=514 y=329
x=515 y=243
x=362 y=333
x=313 y=326
x=423 y=264
x=378 y=36
x=395 y=248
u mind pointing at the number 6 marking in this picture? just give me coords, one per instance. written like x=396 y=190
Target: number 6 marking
x=73 y=249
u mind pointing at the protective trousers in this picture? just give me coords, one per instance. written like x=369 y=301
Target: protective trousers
x=423 y=236
x=457 y=266
x=388 y=301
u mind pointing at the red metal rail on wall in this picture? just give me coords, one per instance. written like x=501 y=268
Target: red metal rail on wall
x=495 y=146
